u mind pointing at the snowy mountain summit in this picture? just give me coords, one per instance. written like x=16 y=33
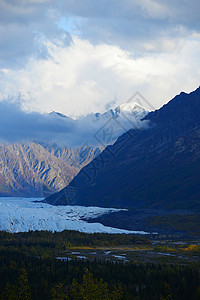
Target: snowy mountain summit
x=101 y=129
x=104 y=128
x=96 y=129
x=130 y=109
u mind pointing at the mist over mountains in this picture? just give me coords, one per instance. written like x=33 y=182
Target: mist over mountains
x=18 y=126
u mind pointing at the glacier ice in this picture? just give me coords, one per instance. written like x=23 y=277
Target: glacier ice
x=25 y=214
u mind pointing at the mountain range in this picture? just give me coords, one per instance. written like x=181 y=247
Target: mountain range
x=156 y=166
x=40 y=168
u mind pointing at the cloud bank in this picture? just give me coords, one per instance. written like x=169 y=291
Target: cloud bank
x=19 y=126
x=83 y=78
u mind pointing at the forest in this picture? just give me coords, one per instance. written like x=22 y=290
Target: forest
x=26 y=272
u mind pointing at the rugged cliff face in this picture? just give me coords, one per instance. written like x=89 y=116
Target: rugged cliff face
x=28 y=170
x=78 y=157
x=34 y=170
x=155 y=167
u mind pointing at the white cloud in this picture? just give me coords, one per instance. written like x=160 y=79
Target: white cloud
x=84 y=78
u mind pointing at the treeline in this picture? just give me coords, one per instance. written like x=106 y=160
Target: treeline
x=46 y=243
x=28 y=277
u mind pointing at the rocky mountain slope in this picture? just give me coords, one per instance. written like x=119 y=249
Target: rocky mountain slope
x=78 y=157
x=156 y=167
x=27 y=170
x=33 y=170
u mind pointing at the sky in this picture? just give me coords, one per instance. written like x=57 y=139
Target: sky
x=82 y=56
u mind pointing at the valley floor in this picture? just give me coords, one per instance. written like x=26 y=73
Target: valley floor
x=176 y=252
x=66 y=265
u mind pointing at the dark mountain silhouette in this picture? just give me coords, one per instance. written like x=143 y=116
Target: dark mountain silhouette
x=157 y=167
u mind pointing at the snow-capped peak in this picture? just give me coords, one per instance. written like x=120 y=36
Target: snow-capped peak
x=130 y=107
x=118 y=120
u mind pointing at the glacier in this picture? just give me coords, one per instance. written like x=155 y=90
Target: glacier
x=25 y=214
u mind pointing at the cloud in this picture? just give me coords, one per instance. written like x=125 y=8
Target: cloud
x=128 y=24
x=19 y=126
x=83 y=78
x=24 y=25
